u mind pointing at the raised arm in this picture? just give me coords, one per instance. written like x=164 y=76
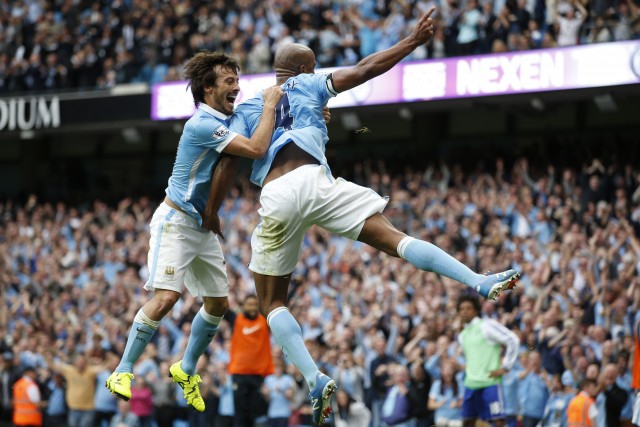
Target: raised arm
x=381 y=62
x=55 y=365
x=256 y=146
x=354 y=18
x=583 y=16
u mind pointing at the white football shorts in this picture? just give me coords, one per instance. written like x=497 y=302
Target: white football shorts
x=294 y=202
x=183 y=253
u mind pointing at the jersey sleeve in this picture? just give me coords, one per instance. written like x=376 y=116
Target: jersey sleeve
x=322 y=85
x=213 y=134
x=246 y=118
x=495 y=332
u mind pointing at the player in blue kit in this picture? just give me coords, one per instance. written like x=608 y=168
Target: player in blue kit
x=298 y=191
x=181 y=251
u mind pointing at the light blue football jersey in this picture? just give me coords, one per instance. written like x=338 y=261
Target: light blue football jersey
x=203 y=138
x=298 y=119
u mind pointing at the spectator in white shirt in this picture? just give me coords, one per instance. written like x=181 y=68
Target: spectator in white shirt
x=569 y=25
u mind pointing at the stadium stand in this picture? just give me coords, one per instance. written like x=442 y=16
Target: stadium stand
x=98 y=44
x=71 y=280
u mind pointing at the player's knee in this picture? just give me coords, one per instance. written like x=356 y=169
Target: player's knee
x=391 y=250
x=216 y=306
x=264 y=308
x=267 y=307
x=388 y=244
x=381 y=234
x=223 y=306
x=165 y=301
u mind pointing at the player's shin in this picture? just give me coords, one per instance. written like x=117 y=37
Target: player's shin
x=428 y=257
x=288 y=335
x=140 y=335
x=203 y=329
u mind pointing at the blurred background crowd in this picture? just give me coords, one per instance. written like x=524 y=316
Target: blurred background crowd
x=89 y=44
x=71 y=282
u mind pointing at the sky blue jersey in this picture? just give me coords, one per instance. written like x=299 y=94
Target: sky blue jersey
x=203 y=138
x=298 y=119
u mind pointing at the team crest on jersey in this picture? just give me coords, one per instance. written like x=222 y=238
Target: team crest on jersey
x=221 y=132
x=169 y=271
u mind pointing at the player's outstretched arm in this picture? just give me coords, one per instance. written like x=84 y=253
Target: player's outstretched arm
x=381 y=62
x=256 y=146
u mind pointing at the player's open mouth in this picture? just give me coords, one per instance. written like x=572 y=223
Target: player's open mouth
x=231 y=99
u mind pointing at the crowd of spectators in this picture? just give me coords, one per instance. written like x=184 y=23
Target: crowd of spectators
x=71 y=282
x=91 y=44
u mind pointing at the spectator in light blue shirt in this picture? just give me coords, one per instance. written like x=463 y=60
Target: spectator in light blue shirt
x=433 y=363
x=57 y=407
x=624 y=382
x=178 y=335
x=106 y=405
x=225 y=405
x=533 y=391
x=146 y=364
x=576 y=366
x=510 y=385
x=350 y=376
x=468 y=26
x=124 y=417
x=111 y=267
x=555 y=413
x=446 y=396
x=278 y=389
x=369 y=32
x=30 y=357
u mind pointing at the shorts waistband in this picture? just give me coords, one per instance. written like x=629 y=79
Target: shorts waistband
x=178 y=214
x=296 y=171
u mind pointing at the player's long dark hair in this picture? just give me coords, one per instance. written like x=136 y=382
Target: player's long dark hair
x=454 y=381
x=473 y=300
x=200 y=71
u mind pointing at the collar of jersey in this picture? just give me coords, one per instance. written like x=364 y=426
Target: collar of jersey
x=215 y=113
x=474 y=321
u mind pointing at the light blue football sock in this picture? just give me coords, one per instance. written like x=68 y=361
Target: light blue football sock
x=288 y=335
x=203 y=329
x=140 y=335
x=428 y=257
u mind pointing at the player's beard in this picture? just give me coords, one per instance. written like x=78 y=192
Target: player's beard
x=226 y=105
x=250 y=316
